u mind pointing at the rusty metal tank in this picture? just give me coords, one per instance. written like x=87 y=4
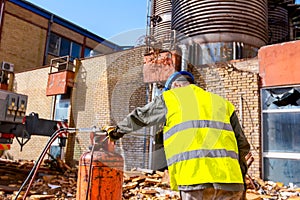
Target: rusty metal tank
x=106 y=176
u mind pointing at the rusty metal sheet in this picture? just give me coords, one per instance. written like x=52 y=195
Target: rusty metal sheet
x=158 y=67
x=58 y=82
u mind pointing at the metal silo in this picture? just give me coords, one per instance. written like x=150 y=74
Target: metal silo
x=278 y=22
x=217 y=30
x=161 y=13
x=296 y=27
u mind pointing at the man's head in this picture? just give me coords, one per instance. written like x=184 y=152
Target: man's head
x=179 y=79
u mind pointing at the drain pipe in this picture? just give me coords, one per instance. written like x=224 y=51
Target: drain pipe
x=184 y=56
x=1 y=17
x=152 y=134
x=145 y=130
x=241 y=110
x=50 y=22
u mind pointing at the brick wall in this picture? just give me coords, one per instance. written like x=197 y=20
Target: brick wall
x=18 y=36
x=23 y=37
x=33 y=83
x=125 y=90
x=108 y=87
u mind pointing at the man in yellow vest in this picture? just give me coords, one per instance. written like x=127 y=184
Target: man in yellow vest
x=204 y=143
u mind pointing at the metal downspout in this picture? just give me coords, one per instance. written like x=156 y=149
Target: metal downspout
x=241 y=110
x=145 y=130
x=48 y=40
x=1 y=17
x=152 y=133
x=184 y=56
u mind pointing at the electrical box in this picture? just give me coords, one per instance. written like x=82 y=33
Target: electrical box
x=12 y=106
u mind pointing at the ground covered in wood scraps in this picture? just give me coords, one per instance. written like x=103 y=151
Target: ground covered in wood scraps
x=57 y=181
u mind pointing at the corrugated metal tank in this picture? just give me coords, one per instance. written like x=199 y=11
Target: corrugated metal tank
x=278 y=22
x=215 y=20
x=296 y=27
x=161 y=22
x=220 y=30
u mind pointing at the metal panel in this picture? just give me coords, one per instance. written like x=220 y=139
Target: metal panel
x=58 y=82
x=279 y=64
x=12 y=106
x=3 y=105
x=158 y=67
x=22 y=106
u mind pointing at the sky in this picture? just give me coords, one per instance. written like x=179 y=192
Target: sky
x=120 y=21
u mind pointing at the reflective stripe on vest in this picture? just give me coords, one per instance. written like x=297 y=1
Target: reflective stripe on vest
x=218 y=153
x=199 y=142
x=196 y=124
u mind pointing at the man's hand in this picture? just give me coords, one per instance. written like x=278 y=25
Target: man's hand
x=112 y=132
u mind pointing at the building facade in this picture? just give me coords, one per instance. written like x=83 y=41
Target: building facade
x=31 y=36
x=107 y=87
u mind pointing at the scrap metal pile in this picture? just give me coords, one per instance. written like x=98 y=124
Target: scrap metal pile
x=57 y=181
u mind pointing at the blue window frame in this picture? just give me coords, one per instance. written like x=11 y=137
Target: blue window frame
x=60 y=46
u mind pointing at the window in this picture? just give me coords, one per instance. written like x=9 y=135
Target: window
x=88 y=52
x=75 y=50
x=54 y=44
x=61 y=113
x=281 y=134
x=65 y=47
x=60 y=46
x=62 y=107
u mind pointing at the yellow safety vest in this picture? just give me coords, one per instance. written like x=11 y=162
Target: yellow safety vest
x=199 y=142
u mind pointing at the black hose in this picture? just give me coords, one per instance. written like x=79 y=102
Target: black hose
x=90 y=171
x=38 y=162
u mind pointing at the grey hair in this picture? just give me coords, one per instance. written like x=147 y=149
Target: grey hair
x=181 y=83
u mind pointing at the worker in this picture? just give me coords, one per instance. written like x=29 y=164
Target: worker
x=204 y=144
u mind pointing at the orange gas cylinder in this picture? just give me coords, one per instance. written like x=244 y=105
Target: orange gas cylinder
x=106 y=176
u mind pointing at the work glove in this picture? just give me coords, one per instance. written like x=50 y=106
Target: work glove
x=112 y=132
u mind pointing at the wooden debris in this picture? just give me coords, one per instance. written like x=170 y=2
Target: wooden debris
x=148 y=185
x=269 y=190
x=37 y=197
x=61 y=183
x=49 y=183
